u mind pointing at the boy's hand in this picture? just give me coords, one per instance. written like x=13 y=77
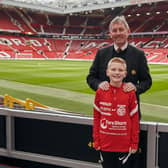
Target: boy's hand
x=133 y=151
x=96 y=146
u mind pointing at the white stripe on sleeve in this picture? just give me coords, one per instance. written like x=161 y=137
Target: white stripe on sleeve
x=135 y=110
x=98 y=109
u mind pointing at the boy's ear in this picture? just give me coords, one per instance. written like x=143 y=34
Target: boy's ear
x=107 y=72
x=125 y=74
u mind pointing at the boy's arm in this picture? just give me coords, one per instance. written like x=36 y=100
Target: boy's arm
x=134 y=121
x=96 y=122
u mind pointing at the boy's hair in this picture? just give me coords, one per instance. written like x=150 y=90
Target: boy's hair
x=117 y=60
x=119 y=19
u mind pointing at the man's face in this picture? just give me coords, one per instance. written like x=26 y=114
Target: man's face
x=119 y=33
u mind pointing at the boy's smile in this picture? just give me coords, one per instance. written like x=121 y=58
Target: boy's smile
x=116 y=72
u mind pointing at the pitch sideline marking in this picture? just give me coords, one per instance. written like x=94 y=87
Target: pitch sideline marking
x=61 y=93
x=155 y=105
x=48 y=91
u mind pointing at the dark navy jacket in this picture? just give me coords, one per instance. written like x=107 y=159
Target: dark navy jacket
x=137 y=68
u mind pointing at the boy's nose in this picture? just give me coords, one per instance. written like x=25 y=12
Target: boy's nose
x=116 y=72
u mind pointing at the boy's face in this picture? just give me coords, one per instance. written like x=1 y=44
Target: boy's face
x=116 y=72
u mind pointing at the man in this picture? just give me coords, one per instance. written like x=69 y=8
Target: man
x=138 y=77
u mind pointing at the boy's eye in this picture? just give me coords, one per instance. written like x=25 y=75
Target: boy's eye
x=121 y=70
x=114 y=69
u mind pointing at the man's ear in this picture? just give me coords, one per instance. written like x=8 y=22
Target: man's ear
x=109 y=34
x=129 y=32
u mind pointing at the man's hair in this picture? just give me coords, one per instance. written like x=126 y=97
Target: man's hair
x=119 y=19
x=117 y=60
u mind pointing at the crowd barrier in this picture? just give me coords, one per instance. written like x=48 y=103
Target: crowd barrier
x=62 y=139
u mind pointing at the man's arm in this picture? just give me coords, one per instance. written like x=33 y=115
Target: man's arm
x=97 y=74
x=92 y=78
x=145 y=80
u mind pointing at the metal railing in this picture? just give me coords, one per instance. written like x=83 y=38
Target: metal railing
x=62 y=140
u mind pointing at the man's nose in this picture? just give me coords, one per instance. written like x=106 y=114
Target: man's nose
x=118 y=32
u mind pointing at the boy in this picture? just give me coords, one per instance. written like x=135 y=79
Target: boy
x=116 y=122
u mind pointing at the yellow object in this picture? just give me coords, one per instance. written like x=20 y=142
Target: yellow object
x=91 y=144
x=29 y=104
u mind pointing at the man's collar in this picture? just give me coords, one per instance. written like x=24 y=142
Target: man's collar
x=122 y=48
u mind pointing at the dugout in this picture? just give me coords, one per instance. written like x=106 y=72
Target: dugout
x=62 y=139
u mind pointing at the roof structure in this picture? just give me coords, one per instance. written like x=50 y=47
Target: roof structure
x=72 y=6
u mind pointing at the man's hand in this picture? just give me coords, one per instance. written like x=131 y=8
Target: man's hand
x=129 y=87
x=104 y=85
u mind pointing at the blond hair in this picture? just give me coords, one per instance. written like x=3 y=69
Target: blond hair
x=119 y=19
x=117 y=60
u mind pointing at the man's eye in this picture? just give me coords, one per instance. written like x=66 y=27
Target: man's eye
x=114 y=30
x=121 y=30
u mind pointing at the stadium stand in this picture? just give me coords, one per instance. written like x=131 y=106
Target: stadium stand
x=48 y=48
x=6 y=23
x=78 y=36
x=147 y=17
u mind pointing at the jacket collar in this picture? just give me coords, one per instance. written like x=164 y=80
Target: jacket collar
x=122 y=48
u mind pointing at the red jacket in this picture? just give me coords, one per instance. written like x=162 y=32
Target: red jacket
x=116 y=122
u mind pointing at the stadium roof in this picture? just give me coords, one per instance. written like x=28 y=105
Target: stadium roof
x=72 y=6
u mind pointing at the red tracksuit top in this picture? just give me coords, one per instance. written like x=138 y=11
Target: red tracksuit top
x=116 y=121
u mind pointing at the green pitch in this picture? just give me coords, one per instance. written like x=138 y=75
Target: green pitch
x=62 y=84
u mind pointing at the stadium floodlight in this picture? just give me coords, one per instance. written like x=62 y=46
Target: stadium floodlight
x=148 y=13
x=158 y=13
